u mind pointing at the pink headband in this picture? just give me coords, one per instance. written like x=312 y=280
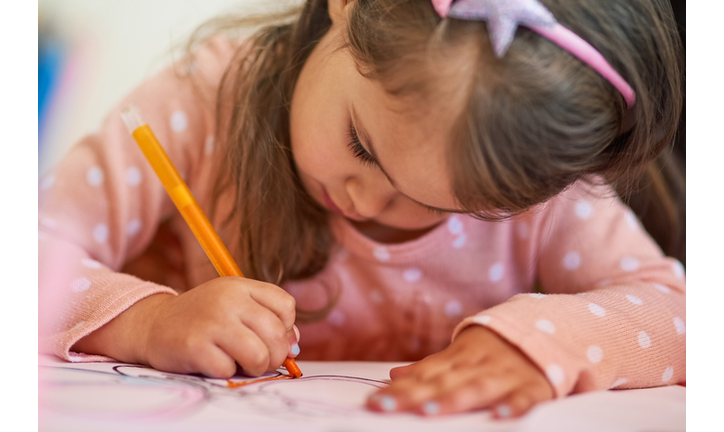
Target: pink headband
x=503 y=18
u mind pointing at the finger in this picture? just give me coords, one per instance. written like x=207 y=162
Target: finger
x=400 y=372
x=472 y=394
x=515 y=404
x=245 y=347
x=269 y=329
x=412 y=394
x=293 y=339
x=276 y=300
x=214 y=362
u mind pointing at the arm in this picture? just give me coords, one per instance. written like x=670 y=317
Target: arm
x=101 y=206
x=612 y=315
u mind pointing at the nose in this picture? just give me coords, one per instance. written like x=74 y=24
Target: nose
x=370 y=195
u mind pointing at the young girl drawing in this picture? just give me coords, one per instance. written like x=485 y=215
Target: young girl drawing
x=390 y=175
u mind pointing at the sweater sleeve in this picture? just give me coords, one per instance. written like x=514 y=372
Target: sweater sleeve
x=100 y=206
x=612 y=312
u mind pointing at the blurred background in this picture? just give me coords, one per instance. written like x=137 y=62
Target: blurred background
x=92 y=52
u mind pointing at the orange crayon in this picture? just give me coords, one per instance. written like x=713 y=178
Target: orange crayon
x=186 y=204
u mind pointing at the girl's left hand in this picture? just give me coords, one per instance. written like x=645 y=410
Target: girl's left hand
x=478 y=370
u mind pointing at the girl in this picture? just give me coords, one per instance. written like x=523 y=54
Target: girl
x=390 y=175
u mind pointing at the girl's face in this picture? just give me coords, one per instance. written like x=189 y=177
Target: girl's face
x=359 y=153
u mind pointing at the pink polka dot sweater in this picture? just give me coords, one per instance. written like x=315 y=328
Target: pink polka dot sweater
x=576 y=284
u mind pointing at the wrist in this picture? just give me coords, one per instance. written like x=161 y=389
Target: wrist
x=125 y=337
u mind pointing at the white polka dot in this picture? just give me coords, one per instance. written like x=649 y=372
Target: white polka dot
x=77 y=326
x=459 y=241
x=47 y=182
x=629 y=264
x=454 y=225
x=336 y=318
x=179 y=121
x=594 y=354
x=381 y=253
x=572 y=260
x=680 y=326
x=618 y=382
x=133 y=227
x=412 y=274
x=482 y=319
x=545 y=326
x=100 y=233
x=644 y=340
x=94 y=176
x=73 y=358
x=495 y=273
x=633 y=299
x=555 y=374
x=453 y=309
x=90 y=263
x=581 y=294
x=537 y=295
x=80 y=284
x=584 y=209
x=209 y=145
x=376 y=296
x=48 y=222
x=522 y=230
x=596 y=310
x=668 y=374
x=678 y=269
x=664 y=289
x=133 y=176
x=631 y=219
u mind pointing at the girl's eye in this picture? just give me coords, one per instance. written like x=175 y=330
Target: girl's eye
x=358 y=150
x=433 y=210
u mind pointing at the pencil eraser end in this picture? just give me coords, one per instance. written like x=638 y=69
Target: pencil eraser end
x=132 y=118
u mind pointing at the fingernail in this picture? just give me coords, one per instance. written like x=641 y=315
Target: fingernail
x=503 y=411
x=431 y=408
x=296 y=332
x=388 y=403
x=295 y=349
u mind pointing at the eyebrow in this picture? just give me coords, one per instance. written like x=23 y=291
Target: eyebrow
x=365 y=139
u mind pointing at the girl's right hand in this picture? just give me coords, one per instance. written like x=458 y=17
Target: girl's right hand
x=207 y=330
x=220 y=323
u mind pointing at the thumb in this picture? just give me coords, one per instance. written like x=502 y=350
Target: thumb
x=399 y=372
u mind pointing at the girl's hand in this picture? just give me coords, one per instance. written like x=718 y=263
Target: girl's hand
x=207 y=330
x=216 y=325
x=478 y=370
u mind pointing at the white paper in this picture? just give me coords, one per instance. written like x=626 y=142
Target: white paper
x=329 y=397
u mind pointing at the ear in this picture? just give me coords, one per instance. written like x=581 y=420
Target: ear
x=338 y=10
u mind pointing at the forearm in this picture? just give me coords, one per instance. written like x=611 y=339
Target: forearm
x=123 y=338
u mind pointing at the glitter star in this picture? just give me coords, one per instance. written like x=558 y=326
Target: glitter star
x=503 y=18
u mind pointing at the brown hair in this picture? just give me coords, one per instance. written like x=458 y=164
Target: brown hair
x=530 y=125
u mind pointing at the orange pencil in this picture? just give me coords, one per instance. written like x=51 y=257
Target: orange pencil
x=186 y=204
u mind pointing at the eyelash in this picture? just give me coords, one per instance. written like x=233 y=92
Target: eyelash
x=432 y=210
x=358 y=150
x=367 y=159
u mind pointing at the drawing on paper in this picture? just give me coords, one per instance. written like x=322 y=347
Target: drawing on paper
x=133 y=392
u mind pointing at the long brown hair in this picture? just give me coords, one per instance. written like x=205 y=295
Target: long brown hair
x=532 y=123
